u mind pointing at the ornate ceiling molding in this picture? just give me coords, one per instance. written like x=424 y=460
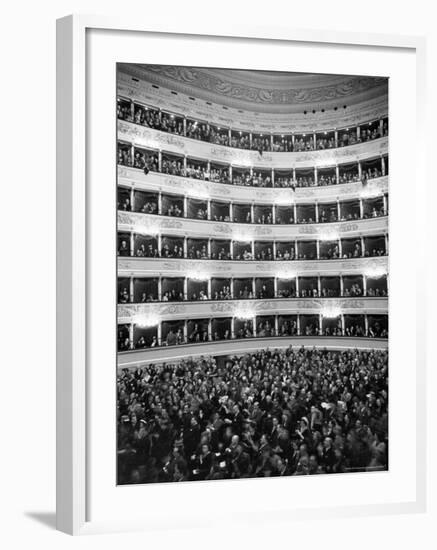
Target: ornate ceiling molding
x=260 y=90
x=130 y=85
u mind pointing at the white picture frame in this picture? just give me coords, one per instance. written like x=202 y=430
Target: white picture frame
x=73 y=305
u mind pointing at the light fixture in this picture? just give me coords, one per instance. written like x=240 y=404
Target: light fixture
x=242 y=237
x=198 y=192
x=328 y=235
x=330 y=312
x=285 y=198
x=146 y=320
x=285 y=274
x=369 y=193
x=244 y=311
x=375 y=272
x=151 y=229
x=198 y=275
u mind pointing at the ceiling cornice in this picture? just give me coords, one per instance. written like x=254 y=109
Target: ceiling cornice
x=263 y=91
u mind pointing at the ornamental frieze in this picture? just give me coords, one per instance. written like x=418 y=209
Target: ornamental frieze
x=223 y=228
x=222 y=307
x=249 y=308
x=240 y=156
x=168 y=267
x=172 y=309
x=155 y=181
x=142 y=133
x=331 y=228
x=153 y=224
x=171 y=224
x=204 y=79
x=372 y=109
x=156 y=139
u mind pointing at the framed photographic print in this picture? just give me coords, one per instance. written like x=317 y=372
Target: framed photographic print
x=233 y=216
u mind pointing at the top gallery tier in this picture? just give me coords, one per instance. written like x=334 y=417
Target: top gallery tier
x=255 y=110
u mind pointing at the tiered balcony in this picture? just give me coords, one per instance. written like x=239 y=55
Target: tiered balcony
x=147 y=138
x=221 y=246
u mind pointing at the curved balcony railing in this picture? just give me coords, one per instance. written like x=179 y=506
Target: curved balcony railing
x=154 y=224
x=156 y=182
x=221 y=242
x=128 y=313
x=159 y=354
x=195 y=287
x=211 y=268
x=284 y=142
x=156 y=140
x=132 y=359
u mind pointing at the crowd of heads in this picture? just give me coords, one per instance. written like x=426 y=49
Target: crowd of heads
x=222 y=293
x=265 y=254
x=286 y=253
x=220 y=253
x=147 y=251
x=331 y=252
x=149 y=207
x=198 y=334
x=302 y=325
x=172 y=251
x=204 y=131
x=173 y=206
x=333 y=330
x=354 y=290
x=267 y=414
x=172 y=295
x=244 y=290
x=199 y=252
x=243 y=251
x=175 y=166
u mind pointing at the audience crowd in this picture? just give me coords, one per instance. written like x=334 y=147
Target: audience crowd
x=174 y=166
x=267 y=414
x=203 y=131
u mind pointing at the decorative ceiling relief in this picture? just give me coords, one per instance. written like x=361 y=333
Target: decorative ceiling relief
x=205 y=79
x=254 y=94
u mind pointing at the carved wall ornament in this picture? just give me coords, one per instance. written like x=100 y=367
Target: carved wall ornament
x=241 y=116
x=205 y=79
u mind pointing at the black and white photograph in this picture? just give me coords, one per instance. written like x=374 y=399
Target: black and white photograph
x=252 y=273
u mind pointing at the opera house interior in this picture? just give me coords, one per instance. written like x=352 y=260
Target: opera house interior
x=252 y=274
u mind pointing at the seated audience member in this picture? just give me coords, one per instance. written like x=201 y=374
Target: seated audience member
x=123 y=249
